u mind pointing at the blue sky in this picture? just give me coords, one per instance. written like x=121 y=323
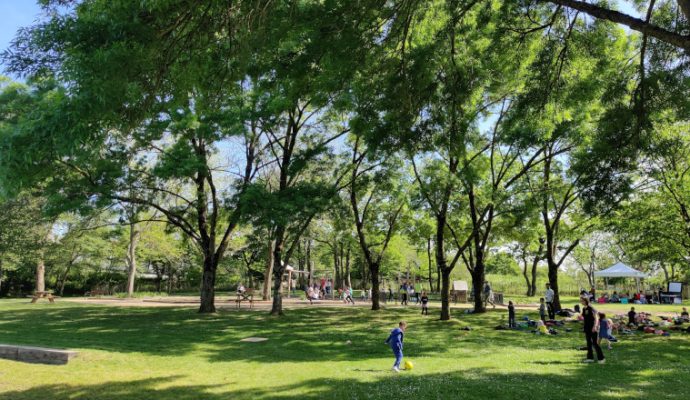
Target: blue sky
x=15 y=14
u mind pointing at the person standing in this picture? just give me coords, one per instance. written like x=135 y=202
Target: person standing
x=425 y=303
x=511 y=315
x=488 y=295
x=591 y=328
x=403 y=294
x=549 y=297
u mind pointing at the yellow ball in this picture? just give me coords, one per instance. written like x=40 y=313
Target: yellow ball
x=409 y=365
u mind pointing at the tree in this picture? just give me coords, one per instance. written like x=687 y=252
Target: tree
x=378 y=199
x=596 y=250
x=152 y=117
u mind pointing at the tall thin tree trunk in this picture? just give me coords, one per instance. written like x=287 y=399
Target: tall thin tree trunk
x=445 y=294
x=347 y=267
x=524 y=273
x=131 y=258
x=428 y=255
x=535 y=264
x=268 y=274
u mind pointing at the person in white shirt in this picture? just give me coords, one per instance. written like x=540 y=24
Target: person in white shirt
x=548 y=298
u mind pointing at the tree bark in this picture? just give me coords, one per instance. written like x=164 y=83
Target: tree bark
x=523 y=256
x=535 y=264
x=553 y=281
x=208 y=280
x=445 y=294
x=40 y=276
x=278 y=269
x=375 y=287
x=131 y=258
x=268 y=274
x=428 y=256
x=347 y=267
x=637 y=24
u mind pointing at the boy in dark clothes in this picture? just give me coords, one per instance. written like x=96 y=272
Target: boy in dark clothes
x=425 y=302
x=511 y=315
x=632 y=315
x=395 y=340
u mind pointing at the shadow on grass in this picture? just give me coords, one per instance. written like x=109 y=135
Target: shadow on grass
x=585 y=381
x=309 y=334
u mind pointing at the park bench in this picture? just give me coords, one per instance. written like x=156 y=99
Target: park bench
x=43 y=295
x=247 y=295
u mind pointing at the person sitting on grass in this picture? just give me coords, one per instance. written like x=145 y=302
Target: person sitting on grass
x=632 y=317
x=684 y=315
x=425 y=303
x=542 y=310
x=542 y=329
x=395 y=341
x=615 y=298
x=511 y=315
x=605 y=328
x=591 y=329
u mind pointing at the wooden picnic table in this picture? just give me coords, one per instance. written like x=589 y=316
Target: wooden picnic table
x=247 y=295
x=43 y=295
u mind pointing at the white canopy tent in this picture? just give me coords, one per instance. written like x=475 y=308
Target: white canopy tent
x=620 y=270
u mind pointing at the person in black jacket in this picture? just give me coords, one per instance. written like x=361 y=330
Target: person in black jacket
x=591 y=328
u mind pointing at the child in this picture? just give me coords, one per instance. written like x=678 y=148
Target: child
x=605 y=327
x=348 y=295
x=541 y=328
x=425 y=301
x=542 y=310
x=632 y=316
x=684 y=315
x=511 y=315
x=395 y=340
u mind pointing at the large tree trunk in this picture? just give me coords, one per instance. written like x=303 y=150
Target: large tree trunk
x=278 y=269
x=478 y=286
x=40 y=276
x=131 y=258
x=553 y=280
x=268 y=274
x=445 y=294
x=375 y=287
x=1 y=271
x=208 y=283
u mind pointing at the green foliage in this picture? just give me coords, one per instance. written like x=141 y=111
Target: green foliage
x=502 y=263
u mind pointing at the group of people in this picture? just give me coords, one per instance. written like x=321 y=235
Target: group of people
x=615 y=297
x=407 y=291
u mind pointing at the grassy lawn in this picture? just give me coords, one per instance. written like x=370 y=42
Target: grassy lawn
x=174 y=353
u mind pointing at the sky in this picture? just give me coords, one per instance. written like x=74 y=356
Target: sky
x=15 y=14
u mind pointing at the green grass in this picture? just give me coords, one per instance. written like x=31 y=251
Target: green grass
x=164 y=353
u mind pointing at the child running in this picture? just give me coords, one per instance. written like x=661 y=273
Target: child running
x=395 y=340
x=605 y=328
x=511 y=315
x=425 y=305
